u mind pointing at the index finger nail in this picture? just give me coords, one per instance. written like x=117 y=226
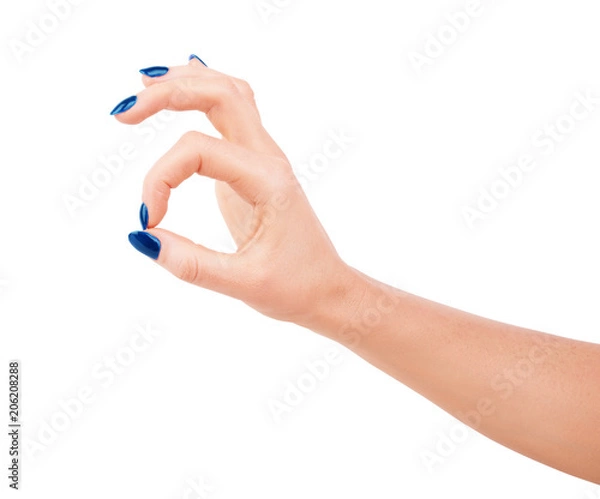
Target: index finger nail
x=144 y=216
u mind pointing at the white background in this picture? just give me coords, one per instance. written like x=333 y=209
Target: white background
x=194 y=405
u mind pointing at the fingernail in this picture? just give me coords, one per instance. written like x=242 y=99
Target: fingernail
x=145 y=243
x=144 y=216
x=155 y=71
x=194 y=56
x=124 y=105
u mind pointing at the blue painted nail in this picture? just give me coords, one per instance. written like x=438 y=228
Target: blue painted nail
x=155 y=71
x=124 y=105
x=145 y=243
x=194 y=56
x=144 y=216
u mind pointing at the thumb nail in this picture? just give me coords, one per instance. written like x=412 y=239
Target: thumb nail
x=145 y=243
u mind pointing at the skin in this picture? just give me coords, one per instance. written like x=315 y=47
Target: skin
x=536 y=393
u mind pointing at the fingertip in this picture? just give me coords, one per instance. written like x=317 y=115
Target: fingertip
x=146 y=243
x=194 y=59
x=144 y=216
x=124 y=106
x=174 y=248
x=154 y=71
x=155 y=197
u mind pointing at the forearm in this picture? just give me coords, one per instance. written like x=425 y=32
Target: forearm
x=533 y=392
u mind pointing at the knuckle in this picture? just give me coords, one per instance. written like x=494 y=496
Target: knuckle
x=181 y=95
x=189 y=138
x=280 y=175
x=245 y=89
x=187 y=269
x=233 y=88
x=228 y=89
x=282 y=166
x=157 y=189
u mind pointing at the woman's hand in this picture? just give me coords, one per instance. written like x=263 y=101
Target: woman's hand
x=285 y=265
x=533 y=392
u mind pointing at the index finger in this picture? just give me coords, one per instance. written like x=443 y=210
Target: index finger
x=198 y=153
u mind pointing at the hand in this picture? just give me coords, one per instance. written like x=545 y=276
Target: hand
x=518 y=386
x=285 y=265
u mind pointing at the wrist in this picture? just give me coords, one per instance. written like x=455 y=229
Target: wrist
x=338 y=299
x=353 y=308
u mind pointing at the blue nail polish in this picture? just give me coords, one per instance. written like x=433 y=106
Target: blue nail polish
x=124 y=105
x=194 y=56
x=145 y=243
x=155 y=71
x=144 y=216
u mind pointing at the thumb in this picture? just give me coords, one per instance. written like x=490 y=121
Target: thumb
x=187 y=260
